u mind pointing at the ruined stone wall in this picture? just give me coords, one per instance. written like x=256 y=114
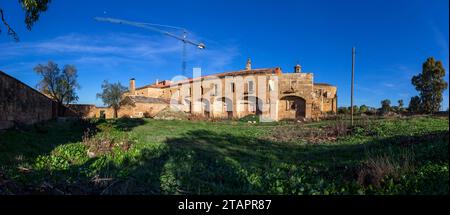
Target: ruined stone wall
x=298 y=96
x=149 y=92
x=295 y=90
x=326 y=98
x=211 y=102
x=140 y=110
x=109 y=112
x=81 y=110
x=21 y=104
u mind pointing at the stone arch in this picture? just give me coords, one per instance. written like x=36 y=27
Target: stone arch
x=187 y=104
x=227 y=106
x=206 y=106
x=256 y=101
x=294 y=107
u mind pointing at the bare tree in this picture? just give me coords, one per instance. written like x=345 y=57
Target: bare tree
x=57 y=84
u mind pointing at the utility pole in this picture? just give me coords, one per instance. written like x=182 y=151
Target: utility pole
x=353 y=80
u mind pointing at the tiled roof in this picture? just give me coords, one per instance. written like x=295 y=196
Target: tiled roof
x=233 y=73
x=323 y=84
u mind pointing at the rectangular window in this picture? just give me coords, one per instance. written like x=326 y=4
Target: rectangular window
x=290 y=105
x=250 y=86
x=293 y=106
x=216 y=89
x=271 y=87
x=293 y=84
x=232 y=87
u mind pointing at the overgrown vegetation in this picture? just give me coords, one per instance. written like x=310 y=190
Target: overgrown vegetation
x=133 y=156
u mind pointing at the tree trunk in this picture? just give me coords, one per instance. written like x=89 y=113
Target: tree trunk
x=115 y=112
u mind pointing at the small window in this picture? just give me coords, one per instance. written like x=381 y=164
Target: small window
x=290 y=105
x=271 y=83
x=293 y=106
x=232 y=87
x=250 y=86
x=216 y=89
x=293 y=83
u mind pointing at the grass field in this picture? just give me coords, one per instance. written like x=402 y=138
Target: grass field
x=382 y=156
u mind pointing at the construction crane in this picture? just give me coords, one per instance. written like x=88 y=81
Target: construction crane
x=149 y=26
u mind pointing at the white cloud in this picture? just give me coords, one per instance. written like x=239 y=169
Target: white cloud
x=389 y=85
x=112 y=50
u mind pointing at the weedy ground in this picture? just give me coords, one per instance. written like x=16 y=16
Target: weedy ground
x=144 y=156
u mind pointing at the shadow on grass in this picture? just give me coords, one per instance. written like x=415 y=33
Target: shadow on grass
x=206 y=162
x=20 y=147
x=126 y=124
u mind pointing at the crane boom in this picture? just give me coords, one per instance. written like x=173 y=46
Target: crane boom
x=149 y=27
x=152 y=27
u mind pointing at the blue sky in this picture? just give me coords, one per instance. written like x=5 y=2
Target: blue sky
x=392 y=38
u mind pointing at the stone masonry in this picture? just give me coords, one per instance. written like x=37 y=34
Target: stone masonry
x=21 y=104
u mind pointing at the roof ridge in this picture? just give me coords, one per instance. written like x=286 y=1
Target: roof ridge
x=272 y=69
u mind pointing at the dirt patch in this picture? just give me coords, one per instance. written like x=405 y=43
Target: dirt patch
x=312 y=135
x=169 y=114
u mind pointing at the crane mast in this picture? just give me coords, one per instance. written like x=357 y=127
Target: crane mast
x=151 y=27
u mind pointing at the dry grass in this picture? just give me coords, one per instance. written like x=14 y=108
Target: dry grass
x=104 y=145
x=376 y=168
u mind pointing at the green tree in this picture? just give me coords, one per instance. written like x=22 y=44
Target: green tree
x=355 y=109
x=32 y=9
x=385 y=106
x=400 y=103
x=57 y=84
x=112 y=95
x=342 y=110
x=363 y=108
x=430 y=84
x=414 y=105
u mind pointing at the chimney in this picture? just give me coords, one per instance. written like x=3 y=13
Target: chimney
x=132 y=87
x=248 y=66
x=298 y=68
x=157 y=81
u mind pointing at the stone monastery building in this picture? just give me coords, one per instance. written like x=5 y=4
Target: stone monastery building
x=269 y=93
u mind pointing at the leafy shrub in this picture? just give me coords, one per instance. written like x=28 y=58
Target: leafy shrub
x=250 y=118
x=101 y=145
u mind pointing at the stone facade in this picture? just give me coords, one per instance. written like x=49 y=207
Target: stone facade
x=237 y=94
x=21 y=104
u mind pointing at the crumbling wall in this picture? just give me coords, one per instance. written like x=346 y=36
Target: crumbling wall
x=21 y=104
x=81 y=110
x=325 y=99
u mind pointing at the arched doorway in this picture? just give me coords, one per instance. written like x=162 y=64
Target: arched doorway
x=292 y=107
x=206 y=107
x=227 y=107
x=254 y=105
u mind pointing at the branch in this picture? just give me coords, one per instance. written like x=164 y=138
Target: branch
x=11 y=32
